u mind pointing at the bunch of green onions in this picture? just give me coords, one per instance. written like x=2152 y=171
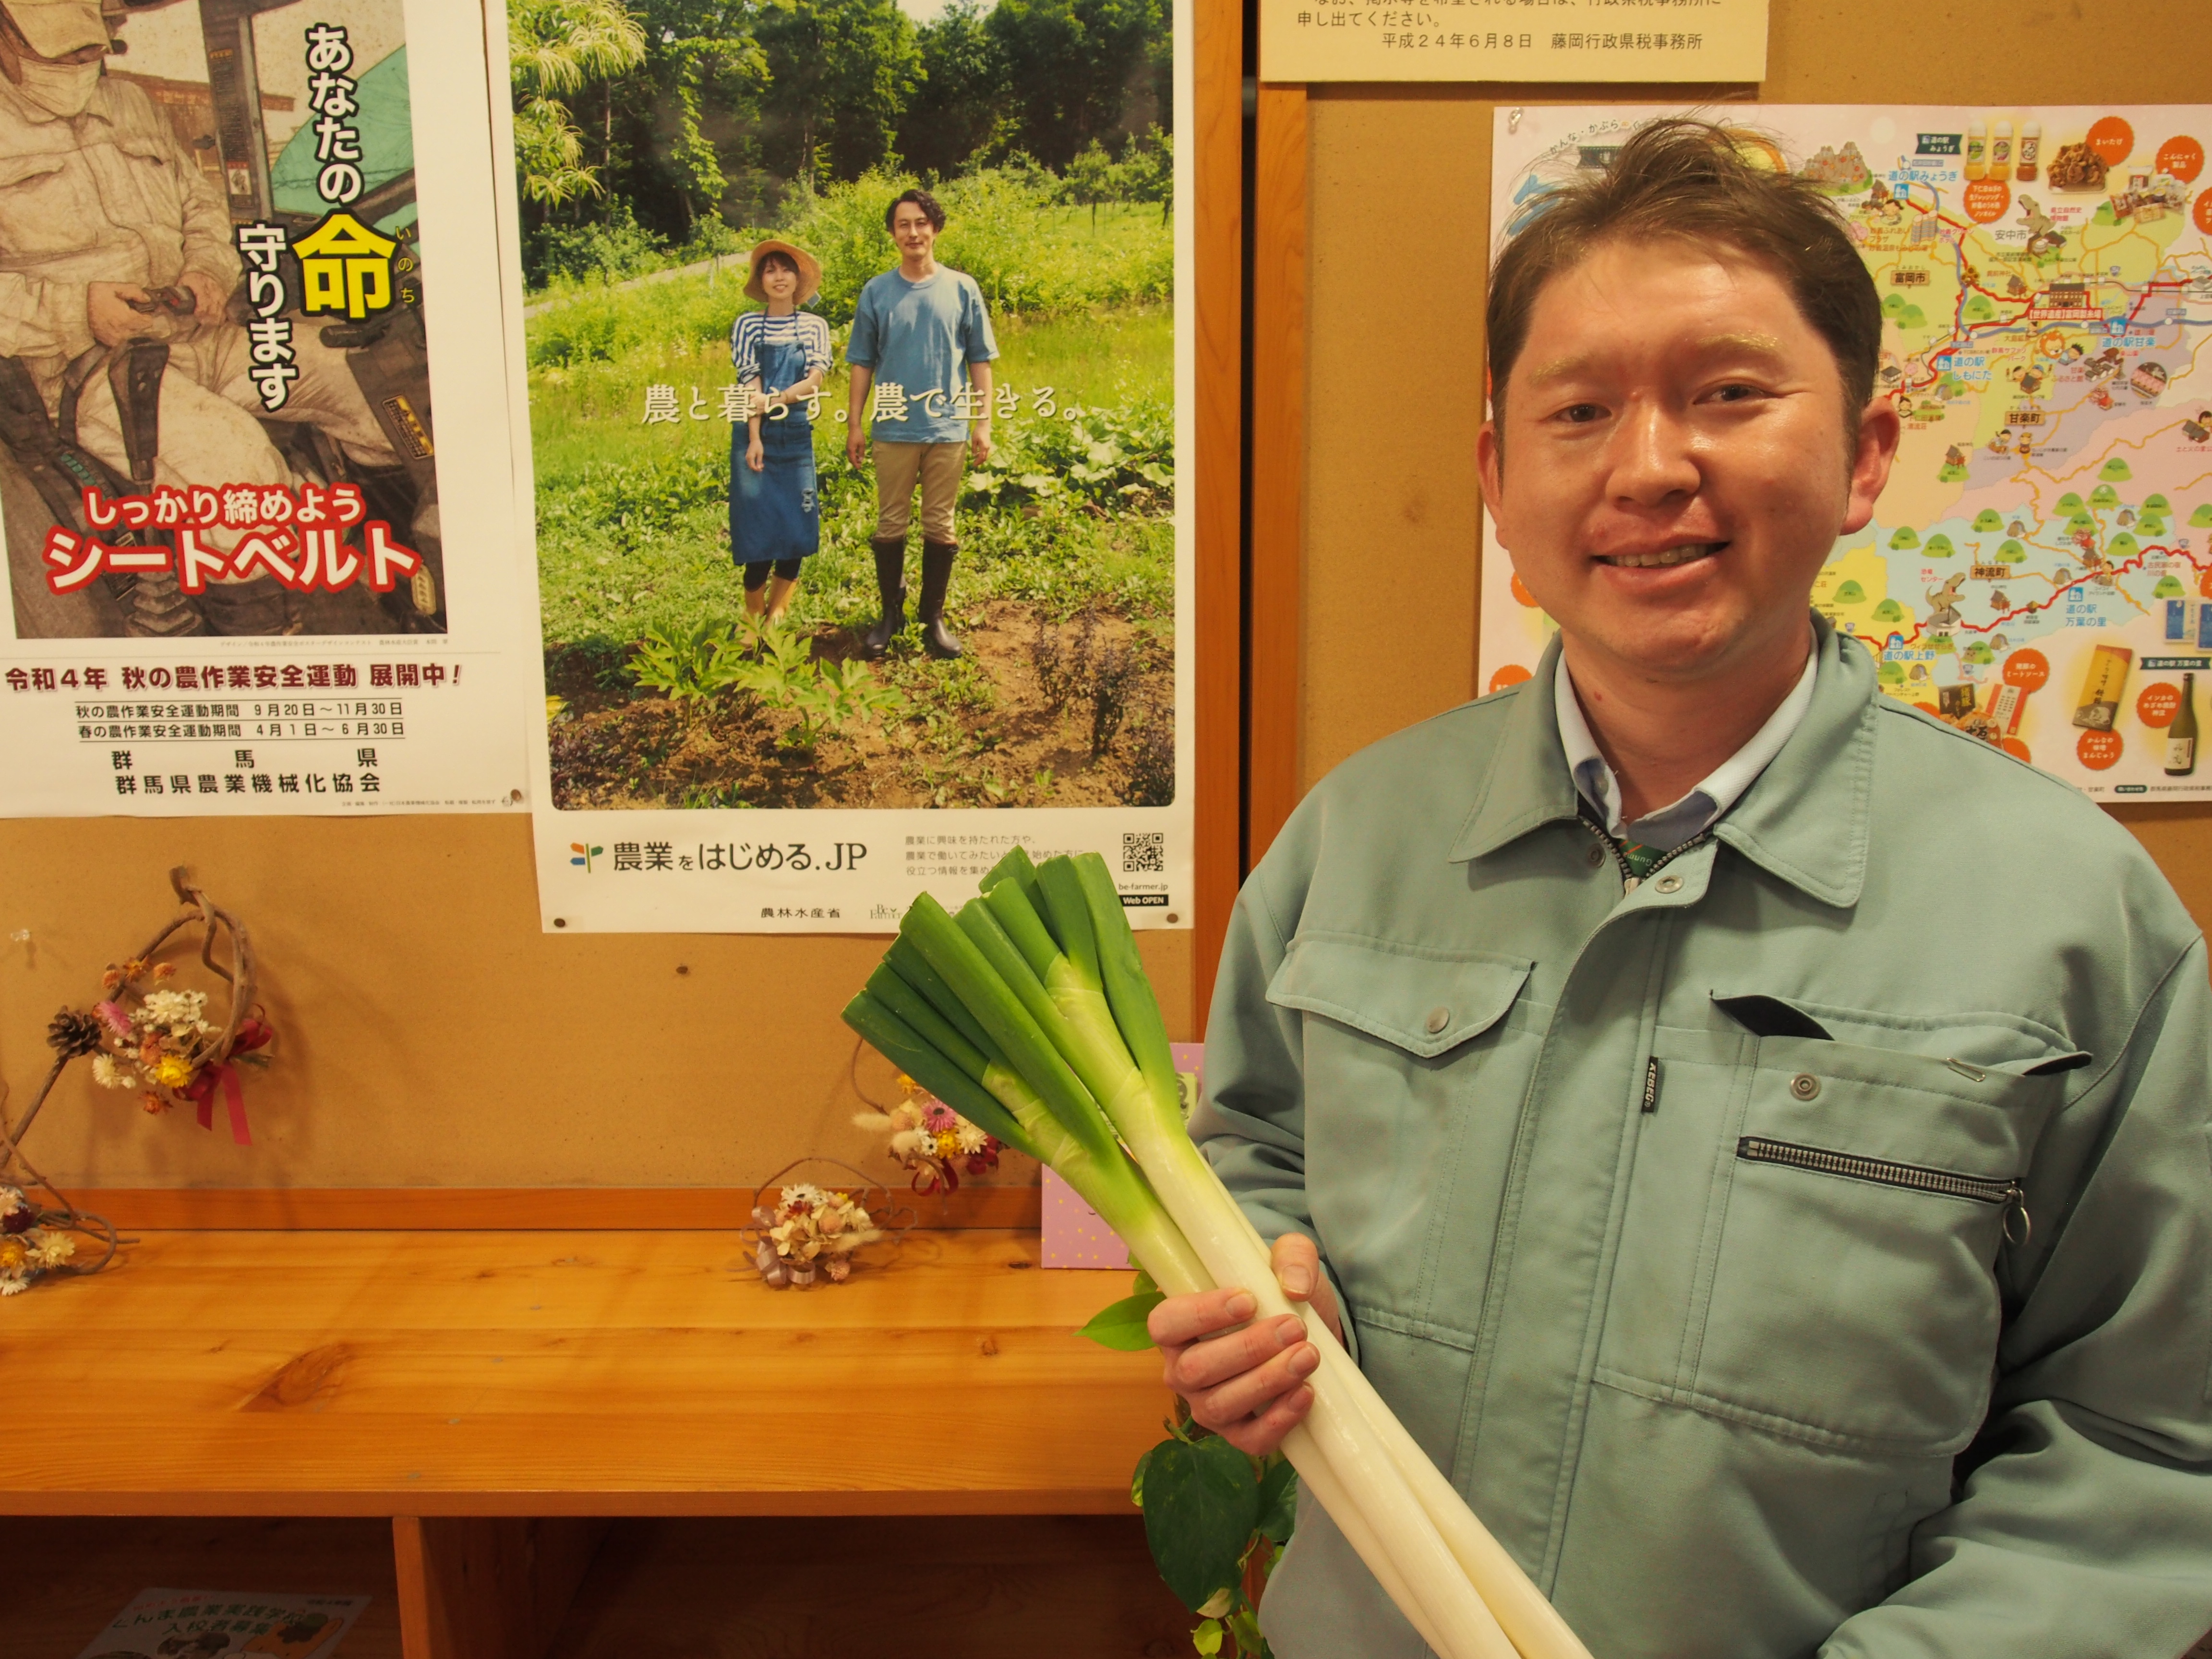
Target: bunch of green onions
x=1029 y=1013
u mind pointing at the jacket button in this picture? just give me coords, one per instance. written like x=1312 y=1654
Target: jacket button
x=1805 y=1085
x=1596 y=857
x=1669 y=884
x=1437 y=1019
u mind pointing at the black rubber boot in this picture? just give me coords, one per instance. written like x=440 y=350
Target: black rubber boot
x=936 y=577
x=891 y=582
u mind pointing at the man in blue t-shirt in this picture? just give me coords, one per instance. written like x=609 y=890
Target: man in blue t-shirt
x=920 y=356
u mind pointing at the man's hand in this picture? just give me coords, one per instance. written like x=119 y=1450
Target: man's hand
x=856 y=446
x=108 y=313
x=978 y=441
x=210 y=299
x=1247 y=1384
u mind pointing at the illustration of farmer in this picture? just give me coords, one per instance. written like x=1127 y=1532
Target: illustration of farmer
x=920 y=355
x=781 y=354
x=111 y=236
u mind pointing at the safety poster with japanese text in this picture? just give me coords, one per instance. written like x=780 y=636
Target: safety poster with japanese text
x=250 y=569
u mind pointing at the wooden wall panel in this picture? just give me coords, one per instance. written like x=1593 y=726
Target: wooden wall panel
x=430 y=1035
x=1398 y=228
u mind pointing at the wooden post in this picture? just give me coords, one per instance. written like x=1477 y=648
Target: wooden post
x=1276 y=701
x=488 y=1587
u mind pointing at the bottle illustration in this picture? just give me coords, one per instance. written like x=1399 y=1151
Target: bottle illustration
x=1978 y=149
x=2181 y=735
x=2031 y=151
x=2001 y=150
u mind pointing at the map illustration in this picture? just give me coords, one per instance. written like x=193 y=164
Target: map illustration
x=2039 y=571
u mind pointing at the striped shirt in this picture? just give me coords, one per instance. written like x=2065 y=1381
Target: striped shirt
x=757 y=328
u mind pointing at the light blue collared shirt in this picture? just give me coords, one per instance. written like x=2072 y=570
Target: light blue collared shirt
x=1668 y=827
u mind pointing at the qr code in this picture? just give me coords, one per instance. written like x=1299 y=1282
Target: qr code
x=1144 y=854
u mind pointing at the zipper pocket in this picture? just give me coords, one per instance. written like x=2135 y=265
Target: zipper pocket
x=2003 y=1190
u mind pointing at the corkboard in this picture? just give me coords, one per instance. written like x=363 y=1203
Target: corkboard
x=430 y=1034
x=1397 y=231
x=433 y=1037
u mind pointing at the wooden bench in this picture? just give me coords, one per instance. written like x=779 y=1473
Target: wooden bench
x=497 y=1392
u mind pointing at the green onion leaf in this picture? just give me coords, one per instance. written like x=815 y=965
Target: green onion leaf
x=900 y=1043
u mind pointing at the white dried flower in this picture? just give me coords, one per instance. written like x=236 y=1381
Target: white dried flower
x=108 y=1075
x=12 y=1286
x=54 y=1248
x=179 y=1011
x=971 y=1139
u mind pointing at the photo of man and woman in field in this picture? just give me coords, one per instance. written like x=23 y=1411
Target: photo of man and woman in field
x=851 y=362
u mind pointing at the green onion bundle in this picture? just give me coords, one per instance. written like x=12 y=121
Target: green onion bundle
x=1029 y=1013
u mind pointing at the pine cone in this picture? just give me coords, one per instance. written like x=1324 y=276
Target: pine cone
x=70 y=1034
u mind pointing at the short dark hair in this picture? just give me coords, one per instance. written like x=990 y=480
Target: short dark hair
x=920 y=198
x=776 y=255
x=1689 y=181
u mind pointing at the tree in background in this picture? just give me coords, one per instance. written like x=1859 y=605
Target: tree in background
x=840 y=72
x=961 y=113
x=707 y=72
x=1072 y=67
x=556 y=48
x=647 y=129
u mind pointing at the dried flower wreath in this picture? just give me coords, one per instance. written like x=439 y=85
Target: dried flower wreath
x=142 y=1034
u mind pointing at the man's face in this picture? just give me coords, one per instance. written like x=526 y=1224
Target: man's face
x=912 y=231
x=1680 y=465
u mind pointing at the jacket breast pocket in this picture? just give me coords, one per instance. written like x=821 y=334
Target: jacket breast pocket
x=43 y=210
x=1863 y=1203
x=1414 y=1058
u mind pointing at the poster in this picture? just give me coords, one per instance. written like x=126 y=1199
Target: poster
x=207 y=1624
x=2039 y=571
x=250 y=400
x=1582 y=40
x=702 y=766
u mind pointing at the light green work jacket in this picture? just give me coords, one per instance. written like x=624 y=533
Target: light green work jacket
x=1803 y=1250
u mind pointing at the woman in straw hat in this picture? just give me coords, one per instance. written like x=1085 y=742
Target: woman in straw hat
x=782 y=354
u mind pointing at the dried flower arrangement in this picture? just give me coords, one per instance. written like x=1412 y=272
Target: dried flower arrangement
x=931 y=1142
x=146 y=1034
x=811 y=1231
x=28 y=1249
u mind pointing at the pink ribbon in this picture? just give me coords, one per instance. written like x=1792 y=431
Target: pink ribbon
x=234 y=1098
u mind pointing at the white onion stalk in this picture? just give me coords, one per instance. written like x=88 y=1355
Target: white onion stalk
x=1030 y=1016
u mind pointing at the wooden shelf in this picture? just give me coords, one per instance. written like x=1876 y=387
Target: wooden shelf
x=67 y=1578
x=474 y=1398
x=578 y=1373
x=1076 y=1586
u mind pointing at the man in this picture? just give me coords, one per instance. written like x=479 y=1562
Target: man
x=921 y=345
x=102 y=209
x=1754 y=1137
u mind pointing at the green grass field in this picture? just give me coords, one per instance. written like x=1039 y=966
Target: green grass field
x=633 y=518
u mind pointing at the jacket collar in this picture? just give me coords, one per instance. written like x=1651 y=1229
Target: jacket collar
x=1806 y=819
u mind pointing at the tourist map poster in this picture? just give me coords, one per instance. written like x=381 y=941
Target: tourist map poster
x=254 y=473
x=827 y=622
x=2039 y=571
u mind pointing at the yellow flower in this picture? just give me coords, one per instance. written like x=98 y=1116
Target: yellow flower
x=172 y=1072
x=14 y=1253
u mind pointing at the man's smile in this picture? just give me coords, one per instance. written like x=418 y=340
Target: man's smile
x=1687 y=553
